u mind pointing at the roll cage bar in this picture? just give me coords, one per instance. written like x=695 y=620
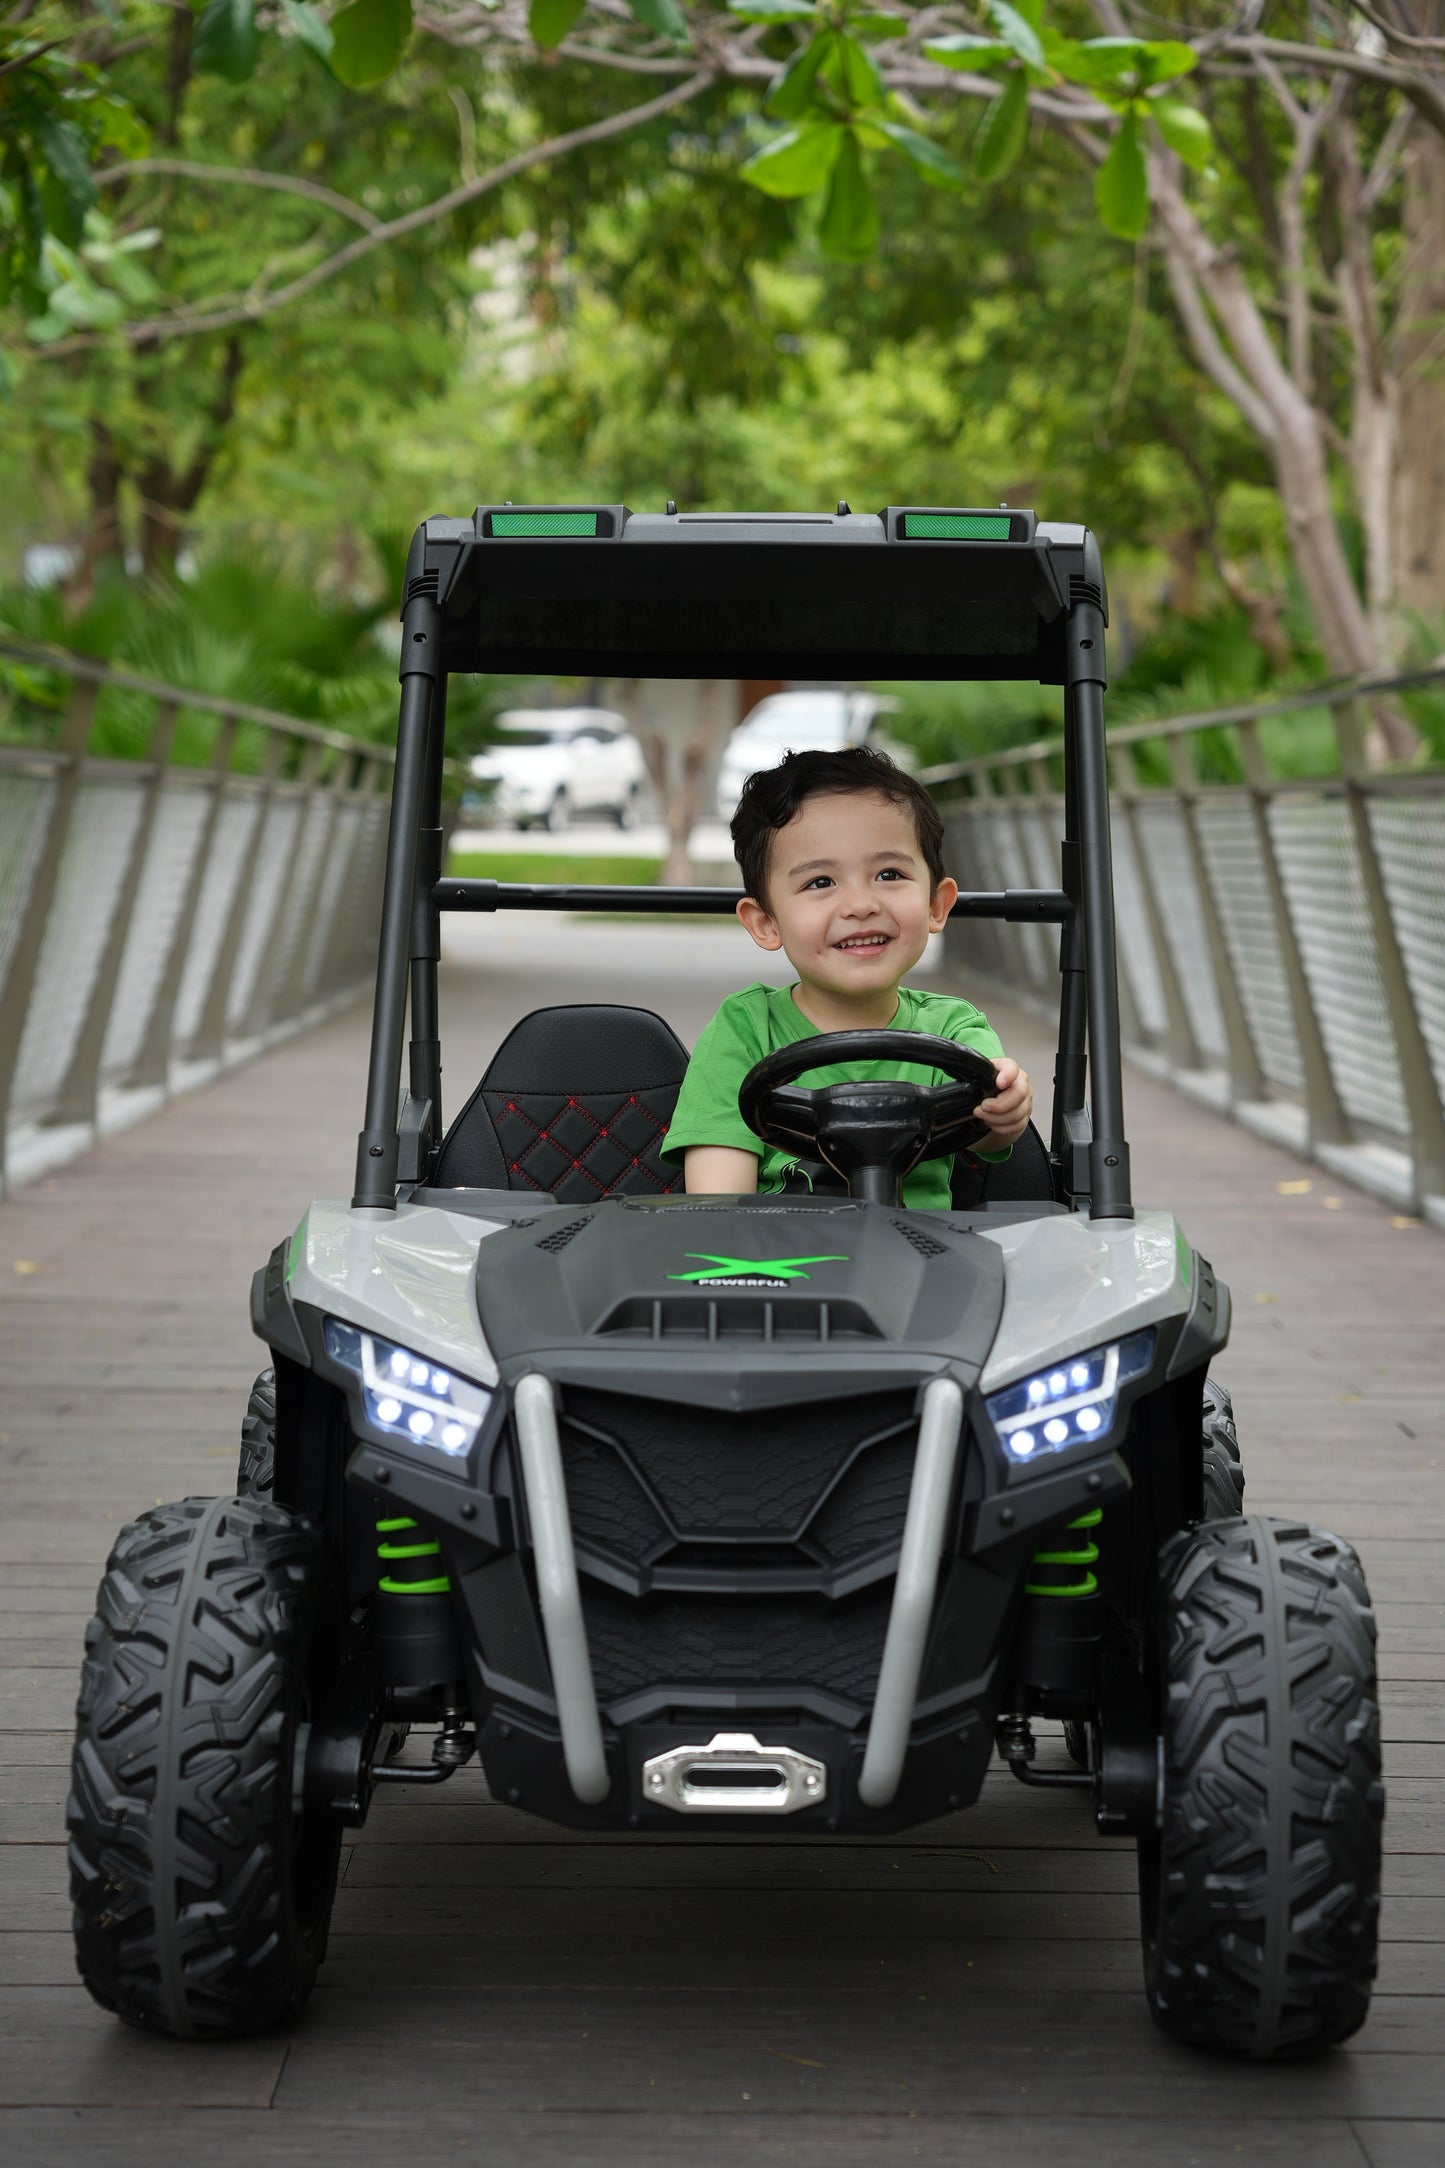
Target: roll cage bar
x=596 y=590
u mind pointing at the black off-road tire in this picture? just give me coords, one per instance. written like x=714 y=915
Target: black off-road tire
x=201 y=1897
x=256 y=1470
x=1260 y=1894
x=1223 y=1468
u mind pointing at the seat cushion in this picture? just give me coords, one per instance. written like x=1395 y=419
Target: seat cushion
x=574 y=1105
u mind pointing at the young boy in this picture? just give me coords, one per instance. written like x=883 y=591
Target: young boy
x=842 y=864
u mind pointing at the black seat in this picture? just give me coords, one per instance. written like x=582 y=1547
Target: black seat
x=1025 y=1177
x=574 y=1105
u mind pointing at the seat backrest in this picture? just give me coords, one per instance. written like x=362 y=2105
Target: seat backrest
x=1025 y=1177
x=574 y=1105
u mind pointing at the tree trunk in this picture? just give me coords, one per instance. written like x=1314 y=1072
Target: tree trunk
x=168 y=493
x=103 y=542
x=1234 y=347
x=1419 y=508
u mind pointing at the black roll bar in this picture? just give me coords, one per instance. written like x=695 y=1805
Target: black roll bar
x=1070 y=607
x=1047 y=906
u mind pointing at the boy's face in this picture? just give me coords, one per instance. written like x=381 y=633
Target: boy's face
x=848 y=894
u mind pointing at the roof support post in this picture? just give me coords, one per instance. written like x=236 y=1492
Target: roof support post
x=1085 y=677
x=425 y=1053
x=421 y=668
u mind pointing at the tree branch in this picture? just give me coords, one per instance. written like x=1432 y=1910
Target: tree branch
x=286 y=184
x=185 y=325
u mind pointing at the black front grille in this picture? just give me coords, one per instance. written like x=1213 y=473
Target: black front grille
x=815 y=1486
x=766 y=1643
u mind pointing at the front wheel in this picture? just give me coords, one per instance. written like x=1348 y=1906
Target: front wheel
x=1260 y=1892
x=201 y=1885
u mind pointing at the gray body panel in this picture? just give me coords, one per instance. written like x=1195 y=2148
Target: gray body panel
x=1069 y=1283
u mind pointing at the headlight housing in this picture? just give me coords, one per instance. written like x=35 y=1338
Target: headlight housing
x=1071 y=1403
x=409 y=1397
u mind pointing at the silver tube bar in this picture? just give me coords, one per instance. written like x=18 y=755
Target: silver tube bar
x=557 y=1589
x=913 y=1592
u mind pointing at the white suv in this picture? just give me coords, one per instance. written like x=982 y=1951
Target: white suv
x=820 y=718
x=548 y=764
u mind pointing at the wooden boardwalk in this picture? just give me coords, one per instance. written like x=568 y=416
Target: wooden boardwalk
x=496 y=1989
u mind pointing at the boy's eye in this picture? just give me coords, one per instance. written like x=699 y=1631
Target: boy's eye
x=892 y=873
x=819 y=880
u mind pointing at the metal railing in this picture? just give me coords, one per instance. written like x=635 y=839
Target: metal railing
x=1281 y=937
x=159 y=921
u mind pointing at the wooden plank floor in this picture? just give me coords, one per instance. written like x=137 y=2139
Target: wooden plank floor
x=961 y=1995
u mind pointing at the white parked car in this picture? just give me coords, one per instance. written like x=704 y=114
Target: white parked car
x=821 y=718
x=548 y=764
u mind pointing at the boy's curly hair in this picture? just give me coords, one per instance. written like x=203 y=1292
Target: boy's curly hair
x=771 y=796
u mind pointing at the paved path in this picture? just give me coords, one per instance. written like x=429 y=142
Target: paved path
x=968 y=1994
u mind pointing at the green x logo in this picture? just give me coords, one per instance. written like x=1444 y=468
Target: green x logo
x=733 y=1268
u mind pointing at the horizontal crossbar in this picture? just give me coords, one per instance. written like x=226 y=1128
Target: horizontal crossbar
x=1049 y=906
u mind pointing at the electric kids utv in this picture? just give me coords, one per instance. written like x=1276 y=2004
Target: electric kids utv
x=693 y=1514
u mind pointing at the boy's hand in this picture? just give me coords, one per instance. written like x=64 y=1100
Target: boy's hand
x=1007 y=1113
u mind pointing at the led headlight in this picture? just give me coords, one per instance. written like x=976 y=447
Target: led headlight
x=408 y=1396
x=1070 y=1402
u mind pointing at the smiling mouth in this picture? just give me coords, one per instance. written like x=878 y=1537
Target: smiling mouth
x=866 y=943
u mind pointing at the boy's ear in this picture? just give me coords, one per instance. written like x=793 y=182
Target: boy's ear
x=760 y=922
x=940 y=903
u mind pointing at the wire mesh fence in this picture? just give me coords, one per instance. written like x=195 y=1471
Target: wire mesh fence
x=1281 y=937
x=161 y=921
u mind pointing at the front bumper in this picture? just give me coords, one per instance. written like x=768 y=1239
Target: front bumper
x=904 y=1738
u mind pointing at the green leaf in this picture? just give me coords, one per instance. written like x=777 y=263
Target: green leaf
x=65 y=154
x=368 y=39
x=117 y=125
x=792 y=94
x=1125 y=62
x=663 y=16
x=1121 y=186
x=849 y=230
x=878 y=23
x=963 y=50
x=855 y=72
x=772 y=11
x=550 y=20
x=1016 y=33
x=932 y=162
x=1005 y=128
x=308 y=26
x=226 y=42
x=1185 y=129
x=797 y=161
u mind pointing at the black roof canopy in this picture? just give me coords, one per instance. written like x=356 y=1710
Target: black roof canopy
x=599 y=591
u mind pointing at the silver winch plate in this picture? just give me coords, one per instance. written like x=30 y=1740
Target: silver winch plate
x=733 y=1774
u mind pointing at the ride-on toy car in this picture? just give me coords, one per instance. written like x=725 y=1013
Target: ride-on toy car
x=690 y=1514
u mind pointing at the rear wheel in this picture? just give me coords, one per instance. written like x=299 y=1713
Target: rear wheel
x=202 y=1888
x=1260 y=1892
x=1223 y=1501
x=1223 y=1468
x=256 y=1470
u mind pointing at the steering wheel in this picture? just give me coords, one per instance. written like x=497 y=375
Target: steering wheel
x=872 y=1134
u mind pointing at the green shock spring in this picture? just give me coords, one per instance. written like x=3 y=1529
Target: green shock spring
x=1068 y=1571
x=401 y=1549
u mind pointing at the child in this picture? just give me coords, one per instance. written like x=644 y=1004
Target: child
x=842 y=864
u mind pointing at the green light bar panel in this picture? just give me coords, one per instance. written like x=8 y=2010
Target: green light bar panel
x=544 y=523
x=956 y=526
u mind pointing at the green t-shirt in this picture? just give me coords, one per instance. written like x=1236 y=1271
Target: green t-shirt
x=761 y=1019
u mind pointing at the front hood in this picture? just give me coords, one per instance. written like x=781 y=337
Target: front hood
x=739 y=1304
